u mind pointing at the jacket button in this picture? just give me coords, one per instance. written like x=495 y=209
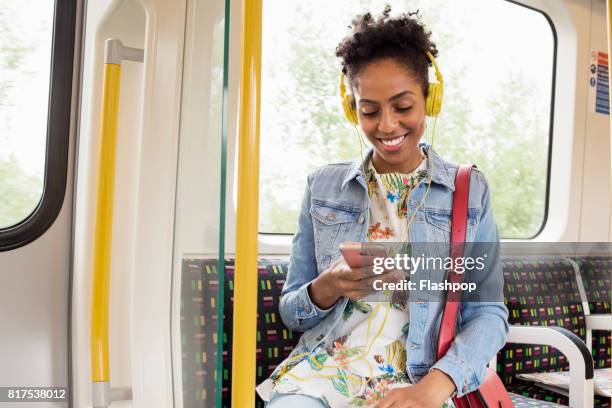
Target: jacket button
x=361 y=219
x=330 y=216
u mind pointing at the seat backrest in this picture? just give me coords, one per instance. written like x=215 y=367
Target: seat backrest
x=199 y=303
x=199 y=283
x=539 y=291
x=274 y=340
x=596 y=273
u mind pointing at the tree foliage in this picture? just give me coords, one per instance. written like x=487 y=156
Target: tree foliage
x=19 y=191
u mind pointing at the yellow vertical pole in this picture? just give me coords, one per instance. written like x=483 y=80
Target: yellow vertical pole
x=245 y=281
x=104 y=224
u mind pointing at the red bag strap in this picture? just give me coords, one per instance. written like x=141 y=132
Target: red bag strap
x=458 y=229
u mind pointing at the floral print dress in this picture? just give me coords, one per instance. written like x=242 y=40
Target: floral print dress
x=368 y=357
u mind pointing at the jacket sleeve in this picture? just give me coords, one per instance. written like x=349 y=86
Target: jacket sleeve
x=297 y=311
x=483 y=323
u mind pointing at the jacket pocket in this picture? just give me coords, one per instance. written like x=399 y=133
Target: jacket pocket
x=333 y=224
x=440 y=222
x=439 y=218
x=438 y=225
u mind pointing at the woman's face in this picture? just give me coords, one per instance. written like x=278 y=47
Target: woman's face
x=391 y=110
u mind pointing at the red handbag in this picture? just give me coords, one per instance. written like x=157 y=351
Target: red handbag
x=491 y=393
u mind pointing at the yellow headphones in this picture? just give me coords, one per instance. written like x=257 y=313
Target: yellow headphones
x=433 y=103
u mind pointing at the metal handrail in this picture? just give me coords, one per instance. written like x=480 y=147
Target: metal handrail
x=102 y=394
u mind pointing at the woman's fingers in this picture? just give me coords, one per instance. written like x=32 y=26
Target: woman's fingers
x=362 y=273
x=341 y=270
x=357 y=283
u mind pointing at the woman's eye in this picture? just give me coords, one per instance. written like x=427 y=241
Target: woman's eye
x=406 y=109
x=369 y=113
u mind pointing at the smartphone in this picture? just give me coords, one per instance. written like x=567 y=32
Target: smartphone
x=358 y=254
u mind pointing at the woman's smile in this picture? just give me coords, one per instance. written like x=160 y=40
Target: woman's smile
x=393 y=144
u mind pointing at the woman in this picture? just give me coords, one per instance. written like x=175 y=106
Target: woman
x=360 y=353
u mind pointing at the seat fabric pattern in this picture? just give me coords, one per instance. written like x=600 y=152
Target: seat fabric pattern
x=274 y=341
x=199 y=303
x=539 y=291
x=199 y=331
x=596 y=272
x=543 y=292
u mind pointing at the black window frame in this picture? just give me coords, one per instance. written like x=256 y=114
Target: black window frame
x=58 y=132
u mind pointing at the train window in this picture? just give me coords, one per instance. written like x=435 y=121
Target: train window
x=496 y=113
x=36 y=60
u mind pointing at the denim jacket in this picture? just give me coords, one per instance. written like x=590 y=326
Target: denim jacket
x=335 y=210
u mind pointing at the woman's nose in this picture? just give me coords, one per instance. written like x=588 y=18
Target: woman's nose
x=388 y=122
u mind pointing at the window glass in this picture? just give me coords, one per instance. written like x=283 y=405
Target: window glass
x=496 y=111
x=25 y=54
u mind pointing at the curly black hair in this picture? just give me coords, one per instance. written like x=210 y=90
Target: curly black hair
x=403 y=38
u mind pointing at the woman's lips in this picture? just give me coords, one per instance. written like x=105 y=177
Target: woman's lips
x=392 y=145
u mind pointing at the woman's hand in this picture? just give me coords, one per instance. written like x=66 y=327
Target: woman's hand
x=431 y=392
x=340 y=280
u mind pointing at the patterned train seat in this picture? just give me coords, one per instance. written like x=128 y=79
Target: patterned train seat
x=596 y=272
x=274 y=341
x=199 y=331
x=540 y=292
x=199 y=327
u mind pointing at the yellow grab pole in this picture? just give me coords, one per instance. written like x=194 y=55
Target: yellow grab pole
x=102 y=394
x=245 y=281
x=104 y=224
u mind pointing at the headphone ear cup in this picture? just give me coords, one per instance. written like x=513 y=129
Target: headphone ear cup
x=348 y=105
x=433 y=104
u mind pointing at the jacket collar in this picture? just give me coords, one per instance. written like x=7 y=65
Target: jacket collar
x=441 y=174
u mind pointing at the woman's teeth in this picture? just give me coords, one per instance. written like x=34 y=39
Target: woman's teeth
x=393 y=142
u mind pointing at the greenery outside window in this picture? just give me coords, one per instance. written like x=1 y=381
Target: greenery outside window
x=496 y=112
x=36 y=66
